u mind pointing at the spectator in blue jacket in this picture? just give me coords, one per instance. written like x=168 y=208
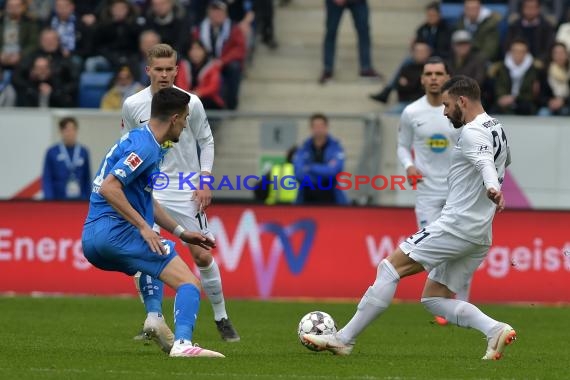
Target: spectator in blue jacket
x=67 y=173
x=317 y=163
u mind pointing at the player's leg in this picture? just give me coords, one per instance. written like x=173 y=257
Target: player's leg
x=463 y=293
x=118 y=246
x=439 y=292
x=378 y=296
x=179 y=277
x=151 y=293
x=431 y=211
x=188 y=215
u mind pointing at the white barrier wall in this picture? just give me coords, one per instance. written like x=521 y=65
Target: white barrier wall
x=539 y=177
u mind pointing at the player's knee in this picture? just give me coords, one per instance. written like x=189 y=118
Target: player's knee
x=201 y=257
x=388 y=269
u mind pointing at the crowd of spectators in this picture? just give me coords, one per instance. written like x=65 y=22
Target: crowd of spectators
x=519 y=57
x=517 y=50
x=47 y=45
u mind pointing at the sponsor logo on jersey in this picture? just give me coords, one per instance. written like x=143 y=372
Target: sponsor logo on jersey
x=141 y=121
x=438 y=143
x=121 y=173
x=133 y=161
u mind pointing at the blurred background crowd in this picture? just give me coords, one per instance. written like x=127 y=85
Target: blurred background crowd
x=53 y=53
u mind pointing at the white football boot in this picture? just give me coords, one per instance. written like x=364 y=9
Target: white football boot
x=155 y=328
x=503 y=336
x=329 y=342
x=185 y=349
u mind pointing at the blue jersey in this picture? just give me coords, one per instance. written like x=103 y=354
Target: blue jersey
x=132 y=161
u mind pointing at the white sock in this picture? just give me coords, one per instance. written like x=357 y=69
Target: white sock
x=374 y=302
x=154 y=315
x=212 y=284
x=461 y=313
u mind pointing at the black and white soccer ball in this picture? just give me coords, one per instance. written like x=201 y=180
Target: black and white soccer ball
x=318 y=323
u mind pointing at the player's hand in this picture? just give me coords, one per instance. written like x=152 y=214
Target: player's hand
x=203 y=197
x=197 y=239
x=414 y=175
x=153 y=240
x=497 y=197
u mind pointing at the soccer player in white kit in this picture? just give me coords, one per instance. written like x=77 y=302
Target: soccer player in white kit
x=451 y=248
x=425 y=129
x=179 y=198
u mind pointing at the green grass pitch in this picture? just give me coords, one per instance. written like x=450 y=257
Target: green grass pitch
x=91 y=338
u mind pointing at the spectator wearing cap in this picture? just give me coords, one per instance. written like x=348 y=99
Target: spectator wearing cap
x=225 y=43
x=464 y=60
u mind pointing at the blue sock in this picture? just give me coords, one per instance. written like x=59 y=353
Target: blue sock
x=151 y=291
x=186 y=306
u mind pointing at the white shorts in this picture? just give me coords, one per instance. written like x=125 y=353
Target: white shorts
x=449 y=259
x=187 y=214
x=428 y=210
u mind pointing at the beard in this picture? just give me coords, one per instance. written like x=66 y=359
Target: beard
x=456 y=118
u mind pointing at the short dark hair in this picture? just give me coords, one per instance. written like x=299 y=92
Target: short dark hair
x=462 y=85
x=66 y=120
x=519 y=40
x=319 y=116
x=435 y=60
x=168 y=101
x=434 y=5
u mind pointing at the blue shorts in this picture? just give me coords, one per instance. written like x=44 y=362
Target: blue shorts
x=116 y=245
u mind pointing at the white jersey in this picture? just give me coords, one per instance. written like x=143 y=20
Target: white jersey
x=183 y=156
x=424 y=128
x=478 y=163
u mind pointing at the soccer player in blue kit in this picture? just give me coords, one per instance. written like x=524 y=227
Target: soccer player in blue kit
x=118 y=234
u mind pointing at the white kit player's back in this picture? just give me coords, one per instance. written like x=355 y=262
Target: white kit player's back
x=468 y=212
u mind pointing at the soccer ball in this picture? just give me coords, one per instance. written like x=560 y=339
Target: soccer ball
x=318 y=323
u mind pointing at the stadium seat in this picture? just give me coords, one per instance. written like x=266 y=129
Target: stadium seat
x=92 y=87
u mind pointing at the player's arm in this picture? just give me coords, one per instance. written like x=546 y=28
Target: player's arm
x=127 y=123
x=477 y=146
x=112 y=190
x=404 y=151
x=165 y=221
x=201 y=130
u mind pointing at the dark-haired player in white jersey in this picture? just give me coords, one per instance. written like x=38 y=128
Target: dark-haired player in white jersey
x=425 y=130
x=184 y=200
x=451 y=248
